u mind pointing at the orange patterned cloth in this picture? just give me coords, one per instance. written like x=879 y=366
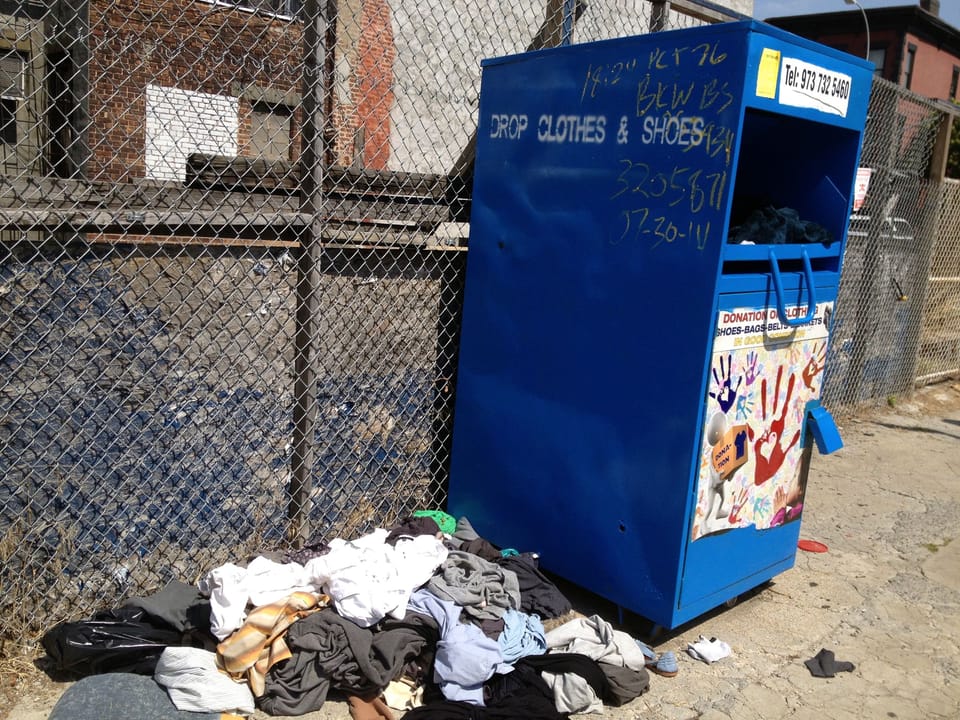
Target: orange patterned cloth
x=259 y=643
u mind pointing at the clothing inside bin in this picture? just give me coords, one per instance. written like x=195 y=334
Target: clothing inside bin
x=770 y=225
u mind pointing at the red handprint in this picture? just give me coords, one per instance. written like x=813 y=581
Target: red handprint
x=814 y=365
x=739 y=500
x=767 y=449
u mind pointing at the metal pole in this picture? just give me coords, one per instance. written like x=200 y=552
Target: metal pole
x=77 y=42
x=315 y=79
x=866 y=23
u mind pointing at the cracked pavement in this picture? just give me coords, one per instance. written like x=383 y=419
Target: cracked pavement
x=885 y=596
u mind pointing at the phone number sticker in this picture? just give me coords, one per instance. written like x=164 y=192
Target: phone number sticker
x=811 y=86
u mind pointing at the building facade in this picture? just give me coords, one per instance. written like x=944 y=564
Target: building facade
x=125 y=91
x=909 y=45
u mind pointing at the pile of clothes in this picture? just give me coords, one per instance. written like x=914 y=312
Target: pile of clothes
x=423 y=620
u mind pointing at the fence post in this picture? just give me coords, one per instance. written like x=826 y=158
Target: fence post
x=941 y=150
x=930 y=228
x=659 y=15
x=315 y=81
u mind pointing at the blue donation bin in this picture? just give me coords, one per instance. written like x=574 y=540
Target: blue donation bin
x=656 y=238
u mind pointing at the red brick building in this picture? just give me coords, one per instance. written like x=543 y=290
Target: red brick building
x=129 y=89
x=910 y=45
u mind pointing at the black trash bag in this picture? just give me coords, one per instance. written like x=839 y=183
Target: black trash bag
x=125 y=639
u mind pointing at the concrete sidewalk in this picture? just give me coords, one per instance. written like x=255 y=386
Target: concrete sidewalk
x=886 y=595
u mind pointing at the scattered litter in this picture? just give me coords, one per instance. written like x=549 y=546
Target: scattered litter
x=825 y=665
x=812 y=546
x=709 y=650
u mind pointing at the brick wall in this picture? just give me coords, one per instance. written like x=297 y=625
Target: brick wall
x=933 y=69
x=201 y=50
x=373 y=82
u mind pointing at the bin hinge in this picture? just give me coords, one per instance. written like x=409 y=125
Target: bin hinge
x=823 y=428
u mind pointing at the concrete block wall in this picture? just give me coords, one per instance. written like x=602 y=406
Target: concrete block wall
x=180 y=122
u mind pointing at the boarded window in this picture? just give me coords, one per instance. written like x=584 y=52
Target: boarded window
x=270 y=132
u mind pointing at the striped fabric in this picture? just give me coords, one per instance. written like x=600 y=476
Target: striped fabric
x=259 y=643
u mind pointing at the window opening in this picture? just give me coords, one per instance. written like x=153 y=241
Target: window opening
x=11 y=95
x=911 y=60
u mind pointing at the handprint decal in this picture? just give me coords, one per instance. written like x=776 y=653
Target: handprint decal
x=794 y=354
x=726 y=394
x=753 y=370
x=761 y=505
x=753 y=414
x=769 y=453
x=814 y=365
x=739 y=501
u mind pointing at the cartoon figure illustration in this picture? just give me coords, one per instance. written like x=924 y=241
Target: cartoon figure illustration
x=726 y=394
x=716 y=429
x=768 y=450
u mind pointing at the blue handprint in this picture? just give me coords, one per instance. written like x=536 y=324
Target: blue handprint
x=726 y=394
x=761 y=505
x=753 y=371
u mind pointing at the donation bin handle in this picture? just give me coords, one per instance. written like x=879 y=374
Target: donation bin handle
x=778 y=286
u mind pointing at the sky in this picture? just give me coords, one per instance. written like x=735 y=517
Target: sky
x=762 y=9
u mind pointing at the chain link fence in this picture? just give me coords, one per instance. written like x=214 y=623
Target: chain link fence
x=876 y=335
x=231 y=263
x=939 y=355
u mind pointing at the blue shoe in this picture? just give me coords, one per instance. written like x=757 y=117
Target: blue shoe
x=666 y=665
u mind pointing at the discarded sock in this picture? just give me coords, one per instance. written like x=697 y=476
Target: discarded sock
x=825 y=665
x=709 y=650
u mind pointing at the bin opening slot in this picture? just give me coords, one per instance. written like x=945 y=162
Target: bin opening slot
x=793 y=180
x=787 y=265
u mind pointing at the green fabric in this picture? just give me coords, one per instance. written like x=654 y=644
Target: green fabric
x=446 y=523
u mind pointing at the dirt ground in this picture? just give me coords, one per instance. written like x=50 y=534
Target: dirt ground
x=857 y=598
